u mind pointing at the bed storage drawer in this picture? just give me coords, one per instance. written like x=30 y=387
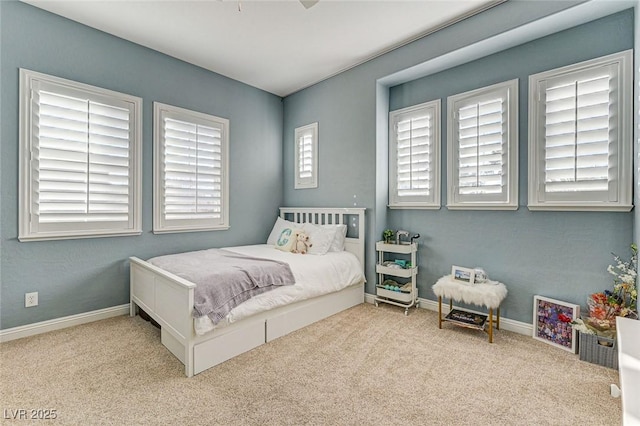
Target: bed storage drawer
x=226 y=346
x=310 y=311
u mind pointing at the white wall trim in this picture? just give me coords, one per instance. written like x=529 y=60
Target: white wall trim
x=60 y=323
x=505 y=323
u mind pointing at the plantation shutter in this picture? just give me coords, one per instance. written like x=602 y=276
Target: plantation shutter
x=481 y=154
x=306 y=156
x=482 y=144
x=413 y=149
x=82 y=153
x=82 y=158
x=581 y=136
x=191 y=161
x=578 y=120
x=192 y=171
x=414 y=138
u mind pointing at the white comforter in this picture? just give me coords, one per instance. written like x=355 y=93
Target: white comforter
x=315 y=275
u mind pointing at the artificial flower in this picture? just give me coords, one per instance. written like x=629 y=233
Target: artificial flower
x=605 y=306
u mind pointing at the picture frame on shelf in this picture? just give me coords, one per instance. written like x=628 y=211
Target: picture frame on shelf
x=552 y=322
x=462 y=275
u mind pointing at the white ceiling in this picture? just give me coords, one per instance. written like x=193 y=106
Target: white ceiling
x=277 y=46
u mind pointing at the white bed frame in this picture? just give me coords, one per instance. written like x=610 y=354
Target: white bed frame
x=168 y=299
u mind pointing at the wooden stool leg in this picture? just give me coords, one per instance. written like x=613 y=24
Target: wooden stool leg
x=498 y=319
x=439 y=311
x=490 y=325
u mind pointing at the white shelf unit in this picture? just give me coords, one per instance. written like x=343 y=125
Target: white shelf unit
x=402 y=299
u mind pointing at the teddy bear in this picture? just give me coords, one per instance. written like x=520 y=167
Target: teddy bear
x=302 y=243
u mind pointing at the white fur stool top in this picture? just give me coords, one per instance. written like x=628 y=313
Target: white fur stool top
x=489 y=293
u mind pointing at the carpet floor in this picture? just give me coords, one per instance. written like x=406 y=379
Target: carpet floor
x=364 y=366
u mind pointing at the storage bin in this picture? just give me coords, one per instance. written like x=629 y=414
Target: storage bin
x=592 y=351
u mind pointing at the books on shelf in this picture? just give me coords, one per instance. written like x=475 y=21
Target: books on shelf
x=467 y=319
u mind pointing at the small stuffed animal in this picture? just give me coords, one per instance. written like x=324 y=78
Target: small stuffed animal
x=302 y=243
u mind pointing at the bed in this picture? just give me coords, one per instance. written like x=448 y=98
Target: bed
x=169 y=299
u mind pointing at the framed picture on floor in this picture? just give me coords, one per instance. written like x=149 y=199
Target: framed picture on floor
x=552 y=322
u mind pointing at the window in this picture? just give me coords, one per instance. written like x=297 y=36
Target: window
x=306 y=157
x=482 y=143
x=79 y=160
x=580 y=136
x=191 y=169
x=414 y=156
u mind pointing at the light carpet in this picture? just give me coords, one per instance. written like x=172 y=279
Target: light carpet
x=364 y=366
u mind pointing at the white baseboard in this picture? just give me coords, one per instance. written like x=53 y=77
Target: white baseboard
x=60 y=323
x=505 y=323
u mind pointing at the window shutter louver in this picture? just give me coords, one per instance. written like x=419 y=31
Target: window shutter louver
x=306 y=156
x=577 y=135
x=82 y=159
x=192 y=171
x=482 y=146
x=481 y=157
x=414 y=137
x=83 y=154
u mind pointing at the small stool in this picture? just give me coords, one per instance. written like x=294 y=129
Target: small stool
x=489 y=294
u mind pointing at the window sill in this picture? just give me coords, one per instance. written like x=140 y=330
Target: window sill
x=45 y=237
x=479 y=206
x=413 y=207
x=580 y=208
x=178 y=230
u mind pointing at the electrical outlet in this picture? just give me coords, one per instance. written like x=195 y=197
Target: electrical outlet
x=31 y=299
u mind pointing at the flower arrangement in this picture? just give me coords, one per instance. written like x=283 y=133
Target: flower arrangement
x=604 y=307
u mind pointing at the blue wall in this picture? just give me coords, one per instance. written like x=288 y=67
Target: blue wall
x=76 y=276
x=560 y=255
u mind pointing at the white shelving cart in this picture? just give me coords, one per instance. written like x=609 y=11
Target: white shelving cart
x=407 y=294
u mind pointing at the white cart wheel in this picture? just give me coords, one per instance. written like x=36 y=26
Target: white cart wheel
x=375 y=303
x=406 y=312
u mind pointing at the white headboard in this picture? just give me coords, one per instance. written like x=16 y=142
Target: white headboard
x=353 y=217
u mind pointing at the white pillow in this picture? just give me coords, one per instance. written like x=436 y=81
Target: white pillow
x=340 y=233
x=319 y=237
x=338 y=239
x=280 y=226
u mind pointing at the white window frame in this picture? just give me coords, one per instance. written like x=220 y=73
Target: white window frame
x=619 y=194
x=508 y=198
x=162 y=224
x=432 y=200
x=31 y=227
x=306 y=182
